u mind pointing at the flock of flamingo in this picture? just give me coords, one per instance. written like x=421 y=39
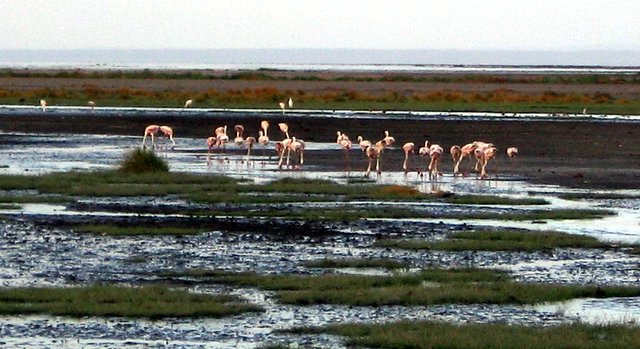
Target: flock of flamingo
x=483 y=152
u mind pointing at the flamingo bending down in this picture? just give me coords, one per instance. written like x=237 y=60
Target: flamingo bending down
x=484 y=154
x=43 y=104
x=374 y=152
x=512 y=152
x=435 y=152
x=152 y=130
x=249 y=142
x=239 y=140
x=407 y=148
x=188 y=103
x=297 y=147
x=221 y=136
x=91 y=104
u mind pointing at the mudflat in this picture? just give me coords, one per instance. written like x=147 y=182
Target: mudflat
x=587 y=154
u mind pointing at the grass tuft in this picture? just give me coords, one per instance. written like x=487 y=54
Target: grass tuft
x=143 y=161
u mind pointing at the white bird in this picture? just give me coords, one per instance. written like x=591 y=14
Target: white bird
x=188 y=103
x=43 y=104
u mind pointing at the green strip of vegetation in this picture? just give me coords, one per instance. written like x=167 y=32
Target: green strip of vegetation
x=428 y=287
x=596 y=196
x=356 y=263
x=428 y=335
x=151 y=302
x=266 y=74
x=9 y=207
x=29 y=198
x=220 y=189
x=499 y=240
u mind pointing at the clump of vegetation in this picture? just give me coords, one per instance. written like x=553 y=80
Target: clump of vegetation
x=141 y=161
x=425 y=335
x=106 y=300
x=499 y=240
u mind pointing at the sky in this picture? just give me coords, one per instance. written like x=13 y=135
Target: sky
x=368 y=24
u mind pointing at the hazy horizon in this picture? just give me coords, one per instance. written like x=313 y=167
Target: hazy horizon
x=298 y=56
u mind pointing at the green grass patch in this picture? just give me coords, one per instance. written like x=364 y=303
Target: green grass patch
x=428 y=335
x=499 y=240
x=4 y=206
x=356 y=263
x=428 y=287
x=103 y=300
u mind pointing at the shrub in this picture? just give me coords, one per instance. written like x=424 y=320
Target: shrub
x=140 y=161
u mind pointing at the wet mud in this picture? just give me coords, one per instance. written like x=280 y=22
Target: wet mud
x=39 y=246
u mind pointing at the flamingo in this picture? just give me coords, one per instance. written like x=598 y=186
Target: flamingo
x=484 y=154
x=345 y=144
x=152 y=130
x=264 y=138
x=407 y=148
x=290 y=103
x=91 y=104
x=373 y=153
x=249 y=142
x=43 y=104
x=456 y=153
x=388 y=140
x=297 y=146
x=286 y=142
x=221 y=136
x=239 y=140
x=364 y=144
x=435 y=152
x=188 y=103
x=512 y=152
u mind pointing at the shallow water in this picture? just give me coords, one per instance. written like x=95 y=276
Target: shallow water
x=31 y=255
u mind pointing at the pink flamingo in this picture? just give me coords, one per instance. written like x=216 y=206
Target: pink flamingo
x=374 y=152
x=407 y=148
x=364 y=144
x=297 y=147
x=512 y=152
x=249 y=142
x=285 y=142
x=152 y=130
x=345 y=144
x=239 y=140
x=221 y=136
x=388 y=140
x=484 y=153
x=435 y=152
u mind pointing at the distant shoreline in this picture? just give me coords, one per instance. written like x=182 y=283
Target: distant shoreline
x=265 y=58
